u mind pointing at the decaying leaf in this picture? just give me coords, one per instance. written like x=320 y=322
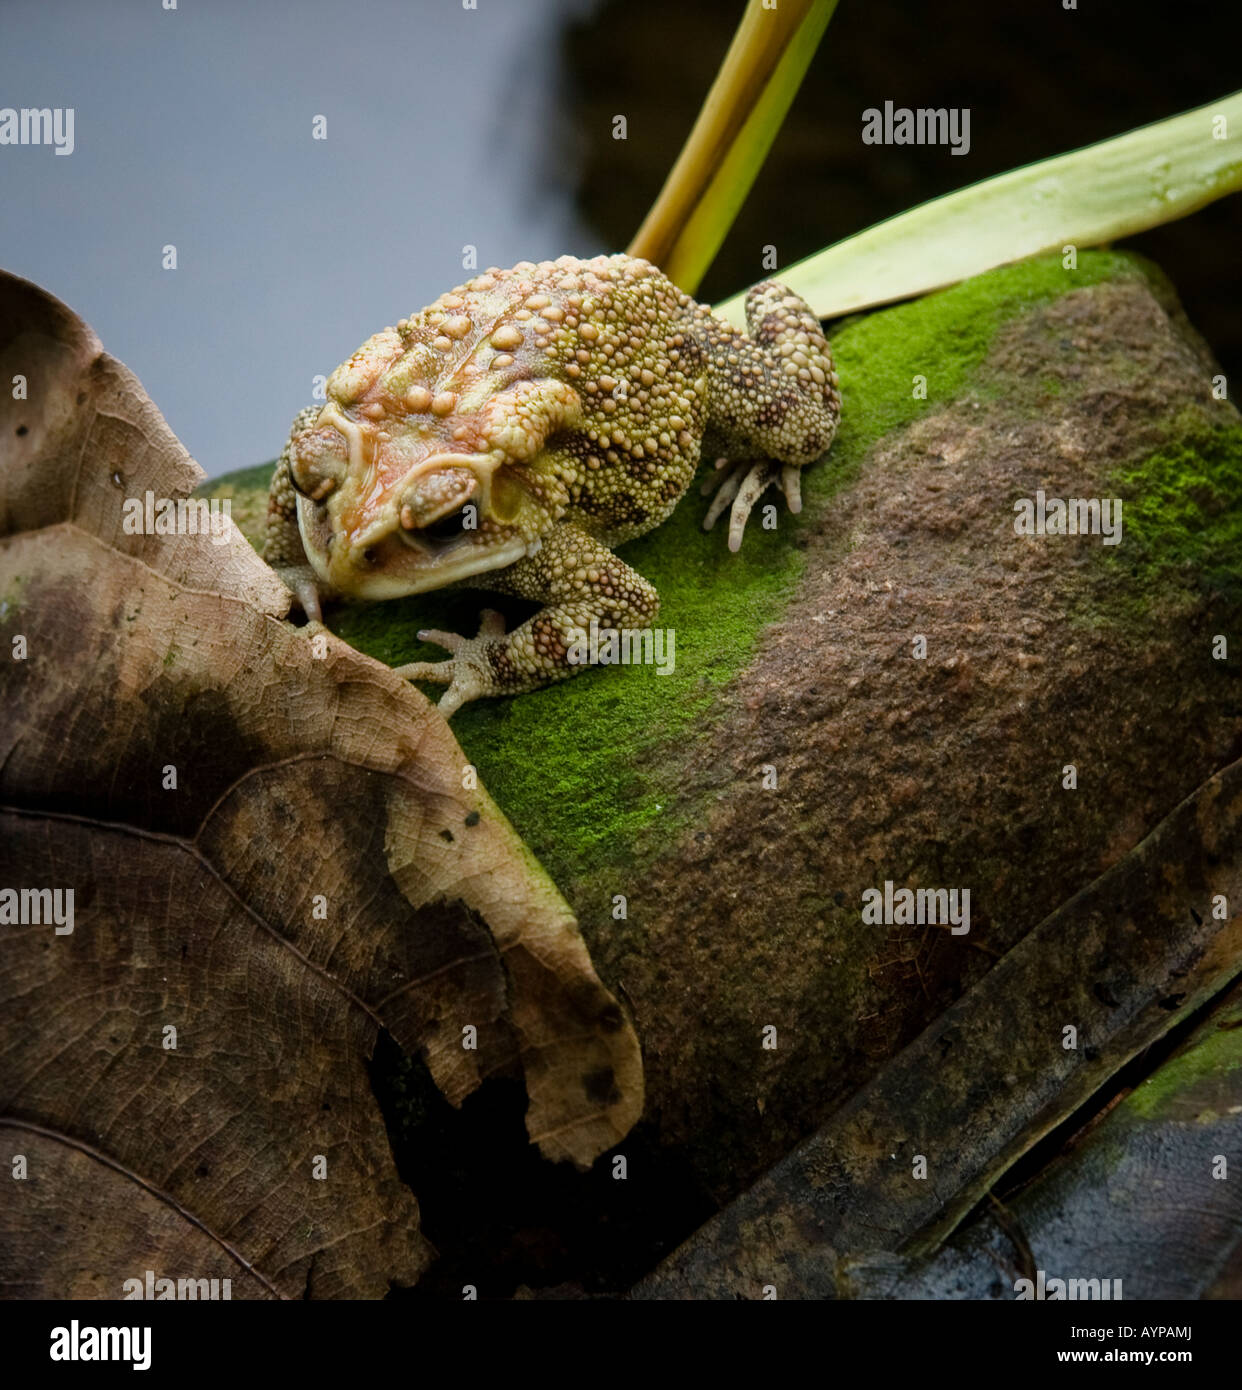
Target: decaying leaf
x=1140 y=1195
x=271 y=852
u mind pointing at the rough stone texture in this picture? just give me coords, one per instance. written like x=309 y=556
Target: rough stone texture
x=937 y=772
x=1098 y=982
x=744 y=903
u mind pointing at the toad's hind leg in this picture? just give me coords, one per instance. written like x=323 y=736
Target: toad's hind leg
x=774 y=403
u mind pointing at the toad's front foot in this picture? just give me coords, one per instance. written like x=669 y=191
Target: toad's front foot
x=303 y=583
x=742 y=484
x=469 y=672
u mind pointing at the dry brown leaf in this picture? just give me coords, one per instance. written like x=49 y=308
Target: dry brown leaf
x=299 y=780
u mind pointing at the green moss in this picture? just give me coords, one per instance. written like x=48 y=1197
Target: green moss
x=948 y=335
x=578 y=767
x=1181 y=511
x=1211 y=1057
x=245 y=480
x=584 y=767
x=574 y=794
x=11 y=600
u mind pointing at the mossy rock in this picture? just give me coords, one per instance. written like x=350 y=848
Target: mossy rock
x=714 y=829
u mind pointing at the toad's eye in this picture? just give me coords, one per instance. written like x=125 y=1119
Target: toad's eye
x=433 y=507
x=317 y=463
x=447 y=527
x=444 y=528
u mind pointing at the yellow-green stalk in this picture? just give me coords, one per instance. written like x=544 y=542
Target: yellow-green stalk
x=756 y=83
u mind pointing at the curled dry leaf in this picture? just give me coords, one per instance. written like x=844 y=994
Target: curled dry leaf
x=271 y=852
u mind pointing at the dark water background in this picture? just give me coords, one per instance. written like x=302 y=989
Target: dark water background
x=1039 y=81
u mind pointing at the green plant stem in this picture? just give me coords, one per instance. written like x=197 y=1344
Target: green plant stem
x=752 y=92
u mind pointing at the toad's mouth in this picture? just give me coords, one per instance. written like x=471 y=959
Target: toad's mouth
x=401 y=562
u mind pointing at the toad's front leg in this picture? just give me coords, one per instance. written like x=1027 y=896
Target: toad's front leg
x=579 y=581
x=283 y=548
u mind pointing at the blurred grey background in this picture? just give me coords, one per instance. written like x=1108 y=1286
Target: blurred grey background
x=193 y=128
x=493 y=127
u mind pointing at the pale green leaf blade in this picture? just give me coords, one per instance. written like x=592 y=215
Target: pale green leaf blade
x=1094 y=195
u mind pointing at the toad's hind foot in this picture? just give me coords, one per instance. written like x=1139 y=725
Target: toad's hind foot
x=742 y=484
